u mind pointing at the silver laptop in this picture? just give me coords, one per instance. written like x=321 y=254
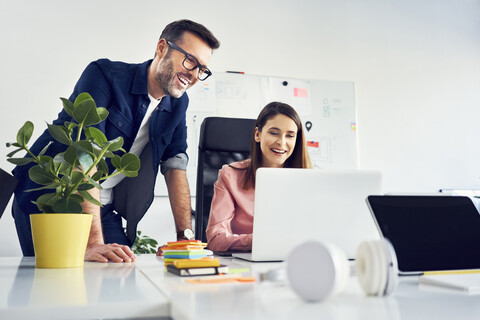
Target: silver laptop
x=296 y=205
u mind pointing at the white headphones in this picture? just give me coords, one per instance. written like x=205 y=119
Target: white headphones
x=318 y=270
x=376 y=267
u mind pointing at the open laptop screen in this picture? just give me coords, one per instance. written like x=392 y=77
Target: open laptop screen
x=429 y=233
x=297 y=205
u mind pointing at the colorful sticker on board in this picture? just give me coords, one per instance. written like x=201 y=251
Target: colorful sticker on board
x=353 y=126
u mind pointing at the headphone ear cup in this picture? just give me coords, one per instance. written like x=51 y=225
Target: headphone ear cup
x=317 y=270
x=376 y=267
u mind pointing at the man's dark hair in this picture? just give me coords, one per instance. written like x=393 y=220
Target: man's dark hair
x=174 y=31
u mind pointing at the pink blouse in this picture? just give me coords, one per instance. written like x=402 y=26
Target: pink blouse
x=230 y=225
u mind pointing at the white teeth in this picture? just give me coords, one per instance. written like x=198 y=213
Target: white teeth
x=279 y=151
x=183 y=80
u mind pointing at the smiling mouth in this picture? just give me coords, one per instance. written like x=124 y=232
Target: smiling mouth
x=183 y=80
x=278 y=151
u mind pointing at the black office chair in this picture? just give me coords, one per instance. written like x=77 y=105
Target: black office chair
x=8 y=184
x=222 y=141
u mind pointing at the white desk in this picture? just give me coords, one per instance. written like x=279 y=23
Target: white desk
x=107 y=291
x=145 y=290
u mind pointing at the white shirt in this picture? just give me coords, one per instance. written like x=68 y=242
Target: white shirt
x=106 y=195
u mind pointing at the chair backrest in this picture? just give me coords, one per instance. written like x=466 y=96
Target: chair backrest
x=8 y=184
x=222 y=141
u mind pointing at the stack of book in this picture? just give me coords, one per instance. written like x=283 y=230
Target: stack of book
x=185 y=249
x=197 y=267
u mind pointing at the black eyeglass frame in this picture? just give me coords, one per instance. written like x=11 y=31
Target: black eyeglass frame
x=201 y=68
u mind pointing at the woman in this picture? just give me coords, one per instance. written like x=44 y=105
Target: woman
x=278 y=141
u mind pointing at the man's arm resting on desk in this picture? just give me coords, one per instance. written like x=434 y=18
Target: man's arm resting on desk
x=179 y=195
x=97 y=250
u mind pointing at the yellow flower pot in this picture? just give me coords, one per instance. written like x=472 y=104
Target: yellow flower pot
x=60 y=239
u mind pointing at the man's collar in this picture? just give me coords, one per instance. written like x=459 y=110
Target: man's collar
x=140 y=82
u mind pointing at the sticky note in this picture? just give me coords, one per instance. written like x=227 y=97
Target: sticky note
x=300 y=92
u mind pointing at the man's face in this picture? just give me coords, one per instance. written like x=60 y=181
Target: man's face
x=171 y=76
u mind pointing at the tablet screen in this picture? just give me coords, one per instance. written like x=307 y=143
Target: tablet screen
x=429 y=233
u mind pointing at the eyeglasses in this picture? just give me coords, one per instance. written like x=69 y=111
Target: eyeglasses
x=191 y=63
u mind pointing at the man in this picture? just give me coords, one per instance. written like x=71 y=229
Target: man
x=147 y=105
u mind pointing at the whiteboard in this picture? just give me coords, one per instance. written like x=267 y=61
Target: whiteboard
x=327 y=110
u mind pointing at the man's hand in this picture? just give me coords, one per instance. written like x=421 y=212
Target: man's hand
x=109 y=252
x=160 y=250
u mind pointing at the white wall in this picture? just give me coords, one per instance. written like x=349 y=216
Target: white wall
x=415 y=64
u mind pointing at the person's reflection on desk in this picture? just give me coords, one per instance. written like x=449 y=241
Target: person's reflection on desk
x=22 y=285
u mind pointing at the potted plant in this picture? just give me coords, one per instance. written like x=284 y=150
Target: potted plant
x=70 y=175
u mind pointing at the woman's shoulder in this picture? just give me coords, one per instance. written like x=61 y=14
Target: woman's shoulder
x=235 y=169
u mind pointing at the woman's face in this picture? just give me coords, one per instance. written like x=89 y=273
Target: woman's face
x=277 y=140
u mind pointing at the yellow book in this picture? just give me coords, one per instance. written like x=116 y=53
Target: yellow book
x=196 y=263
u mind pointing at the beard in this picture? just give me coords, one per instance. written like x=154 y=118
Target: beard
x=165 y=77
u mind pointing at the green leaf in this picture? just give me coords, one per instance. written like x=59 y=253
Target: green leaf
x=82 y=97
x=49 y=186
x=86 y=146
x=14 y=144
x=102 y=166
x=77 y=197
x=70 y=205
x=66 y=180
x=11 y=154
x=70 y=155
x=20 y=161
x=102 y=113
x=86 y=113
x=49 y=165
x=63 y=168
x=95 y=183
x=130 y=162
x=98 y=175
x=87 y=196
x=85 y=186
x=144 y=244
x=96 y=135
x=115 y=144
x=59 y=133
x=69 y=126
x=68 y=106
x=40 y=176
x=59 y=158
x=116 y=162
x=47 y=199
x=44 y=208
x=77 y=176
x=130 y=174
x=24 y=134
x=109 y=154
x=45 y=160
x=45 y=149
x=85 y=160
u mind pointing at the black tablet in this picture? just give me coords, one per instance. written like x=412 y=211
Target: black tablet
x=429 y=233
